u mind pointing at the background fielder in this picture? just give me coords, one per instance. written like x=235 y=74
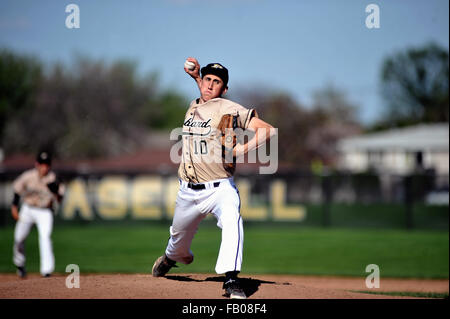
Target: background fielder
x=206 y=178
x=38 y=189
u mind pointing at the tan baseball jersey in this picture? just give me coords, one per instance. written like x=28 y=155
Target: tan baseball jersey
x=33 y=189
x=202 y=159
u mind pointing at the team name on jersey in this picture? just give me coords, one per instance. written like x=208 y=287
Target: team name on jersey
x=191 y=123
x=202 y=124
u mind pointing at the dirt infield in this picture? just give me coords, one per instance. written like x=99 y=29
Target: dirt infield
x=205 y=286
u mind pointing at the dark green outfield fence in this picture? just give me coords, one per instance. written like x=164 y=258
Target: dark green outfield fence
x=339 y=199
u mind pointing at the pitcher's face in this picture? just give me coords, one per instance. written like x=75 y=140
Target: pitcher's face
x=211 y=87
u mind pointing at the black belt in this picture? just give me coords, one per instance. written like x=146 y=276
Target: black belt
x=200 y=186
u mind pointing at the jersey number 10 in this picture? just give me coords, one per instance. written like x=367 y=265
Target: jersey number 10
x=202 y=145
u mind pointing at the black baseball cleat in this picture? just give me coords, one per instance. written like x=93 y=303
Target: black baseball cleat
x=46 y=275
x=233 y=289
x=162 y=266
x=21 y=272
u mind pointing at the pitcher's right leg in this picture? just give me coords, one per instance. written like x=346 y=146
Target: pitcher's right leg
x=185 y=223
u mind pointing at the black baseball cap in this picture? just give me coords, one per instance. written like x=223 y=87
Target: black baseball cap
x=44 y=157
x=216 y=69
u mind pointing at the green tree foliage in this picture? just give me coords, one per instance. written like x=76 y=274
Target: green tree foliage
x=90 y=109
x=167 y=112
x=20 y=77
x=414 y=85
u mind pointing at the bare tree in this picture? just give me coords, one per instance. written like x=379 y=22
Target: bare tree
x=91 y=109
x=305 y=134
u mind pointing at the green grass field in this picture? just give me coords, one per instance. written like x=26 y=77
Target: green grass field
x=268 y=249
x=380 y=215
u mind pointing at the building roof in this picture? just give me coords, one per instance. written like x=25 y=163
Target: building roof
x=423 y=137
x=155 y=160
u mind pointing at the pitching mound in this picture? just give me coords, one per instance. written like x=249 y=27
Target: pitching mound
x=205 y=286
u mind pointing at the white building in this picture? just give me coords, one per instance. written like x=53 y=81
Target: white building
x=398 y=151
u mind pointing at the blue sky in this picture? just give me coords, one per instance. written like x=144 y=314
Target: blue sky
x=294 y=46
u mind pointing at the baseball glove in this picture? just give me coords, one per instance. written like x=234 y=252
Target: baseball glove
x=227 y=125
x=53 y=187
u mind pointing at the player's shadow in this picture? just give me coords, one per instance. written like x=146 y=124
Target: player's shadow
x=249 y=285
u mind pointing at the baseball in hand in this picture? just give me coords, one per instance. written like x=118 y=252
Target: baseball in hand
x=189 y=65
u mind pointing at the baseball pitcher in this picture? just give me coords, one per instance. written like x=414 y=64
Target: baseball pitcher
x=206 y=171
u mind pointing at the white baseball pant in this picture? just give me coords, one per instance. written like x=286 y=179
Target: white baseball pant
x=43 y=218
x=192 y=206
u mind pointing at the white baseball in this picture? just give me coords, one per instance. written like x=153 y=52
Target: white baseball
x=189 y=65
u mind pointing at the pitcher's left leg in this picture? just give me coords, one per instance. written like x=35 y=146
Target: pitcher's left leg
x=45 y=227
x=230 y=220
x=230 y=253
